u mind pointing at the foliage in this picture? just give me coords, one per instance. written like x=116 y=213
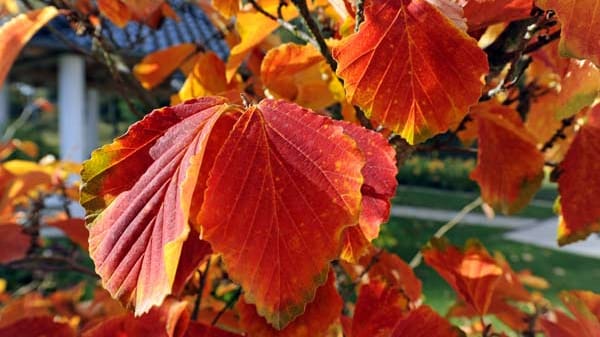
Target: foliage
x=253 y=214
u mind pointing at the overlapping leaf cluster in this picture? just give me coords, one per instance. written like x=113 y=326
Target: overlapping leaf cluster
x=268 y=201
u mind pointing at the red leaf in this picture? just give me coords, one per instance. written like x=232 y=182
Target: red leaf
x=378 y=308
x=473 y=274
x=578 y=185
x=402 y=68
x=314 y=322
x=14 y=243
x=169 y=320
x=201 y=330
x=586 y=321
x=16 y=33
x=41 y=326
x=482 y=13
x=291 y=180
x=392 y=270
x=502 y=139
x=424 y=322
x=579 y=19
x=378 y=188
x=148 y=178
x=74 y=228
x=194 y=251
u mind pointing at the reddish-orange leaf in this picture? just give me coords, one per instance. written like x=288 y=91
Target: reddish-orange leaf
x=506 y=184
x=74 y=228
x=586 y=321
x=378 y=308
x=227 y=8
x=138 y=195
x=292 y=179
x=319 y=315
x=403 y=66
x=196 y=329
x=116 y=11
x=14 y=242
x=194 y=251
x=482 y=13
x=392 y=270
x=169 y=320
x=41 y=326
x=16 y=33
x=424 y=322
x=298 y=73
x=156 y=67
x=578 y=185
x=473 y=274
x=378 y=188
x=579 y=19
x=143 y=10
x=579 y=88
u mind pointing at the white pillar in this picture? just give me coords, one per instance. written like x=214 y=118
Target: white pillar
x=71 y=107
x=91 y=128
x=4 y=107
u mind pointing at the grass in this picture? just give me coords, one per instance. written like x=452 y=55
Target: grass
x=455 y=201
x=564 y=271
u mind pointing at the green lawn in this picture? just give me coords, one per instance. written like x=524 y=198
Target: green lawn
x=452 y=200
x=563 y=270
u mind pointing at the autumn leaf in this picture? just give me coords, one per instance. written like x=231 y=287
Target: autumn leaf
x=402 y=68
x=482 y=13
x=14 y=242
x=577 y=184
x=41 y=326
x=299 y=74
x=378 y=308
x=201 y=330
x=584 y=305
x=378 y=188
x=319 y=315
x=157 y=66
x=138 y=191
x=169 y=320
x=293 y=181
x=502 y=138
x=579 y=38
x=472 y=273
x=392 y=270
x=116 y=11
x=74 y=228
x=424 y=322
x=16 y=33
x=227 y=8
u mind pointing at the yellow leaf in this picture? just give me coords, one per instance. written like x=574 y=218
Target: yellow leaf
x=157 y=66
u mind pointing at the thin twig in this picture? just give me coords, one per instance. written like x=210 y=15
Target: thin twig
x=416 y=260
x=284 y=24
x=201 y=286
x=316 y=32
x=360 y=14
x=50 y=263
x=558 y=134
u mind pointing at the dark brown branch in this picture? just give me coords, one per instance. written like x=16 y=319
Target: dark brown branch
x=286 y=25
x=455 y=149
x=558 y=134
x=201 y=286
x=360 y=14
x=50 y=263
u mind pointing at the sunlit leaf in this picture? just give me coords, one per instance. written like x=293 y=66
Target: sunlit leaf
x=578 y=19
x=41 y=326
x=482 y=13
x=424 y=322
x=138 y=193
x=586 y=321
x=403 y=66
x=320 y=314
x=502 y=139
x=227 y=8
x=293 y=181
x=157 y=66
x=16 y=33
x=578 y=184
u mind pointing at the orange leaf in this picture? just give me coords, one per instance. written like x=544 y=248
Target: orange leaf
x=586 y=321
x=578 y=184
x=201 y=330
x=169 y=320
x=116 y=11
x=378 y=188
x=579 y=38
x=157 y=66
x=415 y=94
x=378 y=308
x=138 y=191
x=298 y=73
x=16 y=33
x=293 y=181
x=506 y=184
x=319 y=315
x=14 y=243
x=579 y=88
x=473 y=274
x=227 y=8
x=482 y=13
x=424 y=322
x=41 y=326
